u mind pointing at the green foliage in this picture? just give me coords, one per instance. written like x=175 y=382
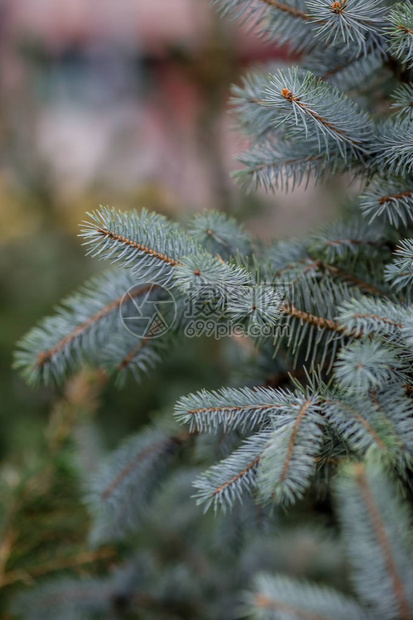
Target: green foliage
x=374 y=526
x=366 y=316
x=355 y=23
x=147 y=243
x=289 y=459
x=76 y=334
x=231 y=408
x=365 y=366
x=329 y=319
x=344 y=70
x=389 y=200
x=401 y=20
x=403 y=97
x=130 y=468
x=394 y=147
x=219 y=234
x=400 y=272
x=305 y=103
x=273 y=596
x=274 y=165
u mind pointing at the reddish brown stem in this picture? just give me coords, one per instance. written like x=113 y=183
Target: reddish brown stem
x=379 y=529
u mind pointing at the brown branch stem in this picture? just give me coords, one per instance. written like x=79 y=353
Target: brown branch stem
x=281 y=6
x=384 y=542
x=139 y=246
x=85 y=557
x=45 y=356
x=293 y=439
x=264 y=602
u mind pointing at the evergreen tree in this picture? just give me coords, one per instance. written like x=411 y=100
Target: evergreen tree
x=323 y=408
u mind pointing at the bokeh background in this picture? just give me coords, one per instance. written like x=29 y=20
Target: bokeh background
x=126 y=103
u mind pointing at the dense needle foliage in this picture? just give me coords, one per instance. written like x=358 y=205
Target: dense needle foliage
x=316 y=429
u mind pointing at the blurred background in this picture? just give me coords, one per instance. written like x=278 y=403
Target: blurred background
x=122 y=103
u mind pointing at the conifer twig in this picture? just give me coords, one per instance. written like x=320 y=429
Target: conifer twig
x=240 y=475
x=264 y=602
x=292 y=98
x=139 y=246
x=57 y=564
x=293 y=439
x=128 y=359
x=318 y=321
x=176 y=440
x=378 y=440
x=44 y=356
x=281 y=6
x=384 y=542
x=407 y=194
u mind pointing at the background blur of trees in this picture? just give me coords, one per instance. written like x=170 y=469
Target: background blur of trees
x=123 y=103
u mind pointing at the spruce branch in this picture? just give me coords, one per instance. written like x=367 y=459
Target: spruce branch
x=395 y=409
x=314 y=108
x=256 y=120
x=283 y=6
x=364 y=366
x=202 y=272
x=393 y=147
x=289 y=7
x=45 y=356
x=284 y=21
x=275 y=164
x=356 y=24
x=344 y=239
x=403 y=101
x=375 y=526
x=350 y=278
x=367 y=423
x=223 y=484
x=58 y=564
x=289 y=460
x=282 y=255
x=125 y=353
x=147 y=243
x=121 y=488
x=352 y=425
x=220 y=234
x=229 y=408
x=309 y=322
x=293 y=261
x=131 y=355
x=389 y=200
x=343 y=69
x=373 y=316
x=317 y=321
x=400 y=271
x=401 y=32
x=278 y=597
x=78 y=331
